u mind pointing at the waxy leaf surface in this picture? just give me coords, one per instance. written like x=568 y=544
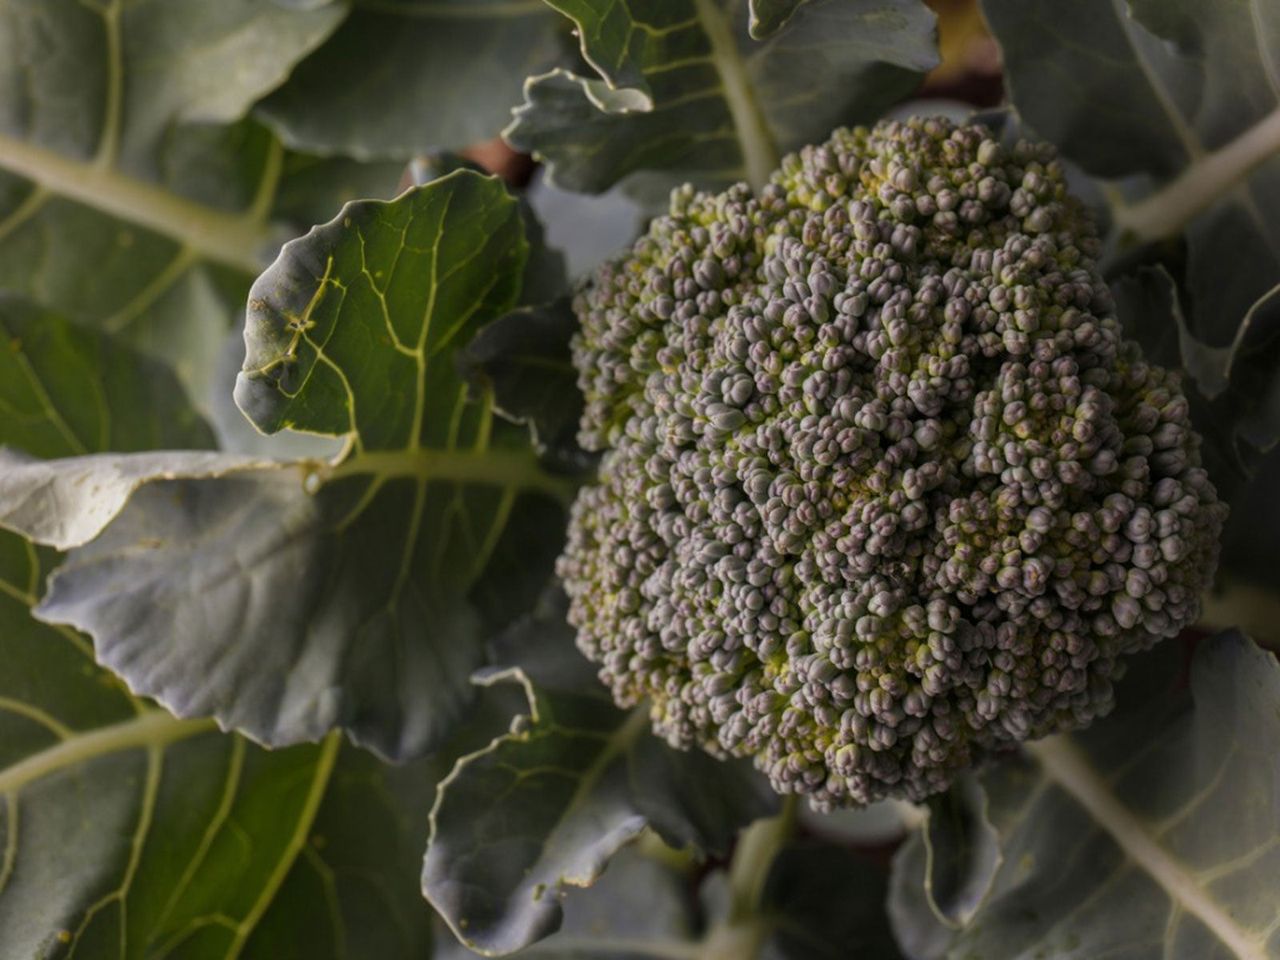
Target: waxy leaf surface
x=684 y=91
x=1156 y=88
x=546 y=807
x=404 y=77
x=126 y=832
x=1154 y=833
x=286 y=599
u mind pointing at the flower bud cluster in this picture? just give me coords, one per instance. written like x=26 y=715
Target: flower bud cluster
x=884 y=488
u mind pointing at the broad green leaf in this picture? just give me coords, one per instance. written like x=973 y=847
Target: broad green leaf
x=616 y=42
x=133 y=196
x=403 y=77
x=286 y=599
x=825 y=902
x=66 y=503
x=357 y=330
x=1236 y=406
x=640 y=908
x=132 y=834
x=1201 y=116
x=1151 y=834
x=708 y=103
x=547 y=806
x=349 y=332
x=544 y=270
x=128 y=72
x=68 y=390
x=1111 y=95
x=524 y=361
x=234 y=431
x=128 y=833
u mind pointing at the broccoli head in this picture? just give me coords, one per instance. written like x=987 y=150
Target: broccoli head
x=883 y=487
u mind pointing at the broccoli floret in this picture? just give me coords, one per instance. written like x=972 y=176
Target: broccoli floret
x=884 y=488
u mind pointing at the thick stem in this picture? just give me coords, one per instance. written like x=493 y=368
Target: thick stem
x=1165 y=212
x=155 y=728
x=740 y=935
x=759 y=152
x=227 y=238
x=757 y=848
x=498 y=468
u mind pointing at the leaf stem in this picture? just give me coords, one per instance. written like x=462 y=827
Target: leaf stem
x=1064 y=764
x=1165 y=212
x=752 y=860
x=740 y=935
x=759 y=152
x=492 y=467
x=227 y=238
x=155 y=728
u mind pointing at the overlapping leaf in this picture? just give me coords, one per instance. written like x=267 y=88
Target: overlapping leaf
x=287 y=599
x=547 y=806
x=1151 y=834
x=640 y=908
x=130 y=833
x=1171 y=90
x=127 y=832
x=132 y=194
x=524 y=360
x=769 y=16
x=1237 y=405
x=544 y=270
x=684 y=91
x=403 y=77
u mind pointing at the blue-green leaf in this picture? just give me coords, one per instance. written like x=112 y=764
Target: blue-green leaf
x=684 y=91
x=547 y=806
x=403 y=77
x=770 y=16
x=1182 y=93
x=1153 y=833
x=288 y=599
x=127 y=832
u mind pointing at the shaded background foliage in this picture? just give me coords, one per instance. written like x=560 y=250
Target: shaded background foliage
x=155 y=159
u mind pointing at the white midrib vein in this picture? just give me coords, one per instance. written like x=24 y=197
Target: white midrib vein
x=1066 y=766
x=759 y=152
x=227 y=238
x=1201 y=182
x=154 y=728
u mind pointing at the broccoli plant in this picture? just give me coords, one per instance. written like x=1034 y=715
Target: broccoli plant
x=699 y=479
